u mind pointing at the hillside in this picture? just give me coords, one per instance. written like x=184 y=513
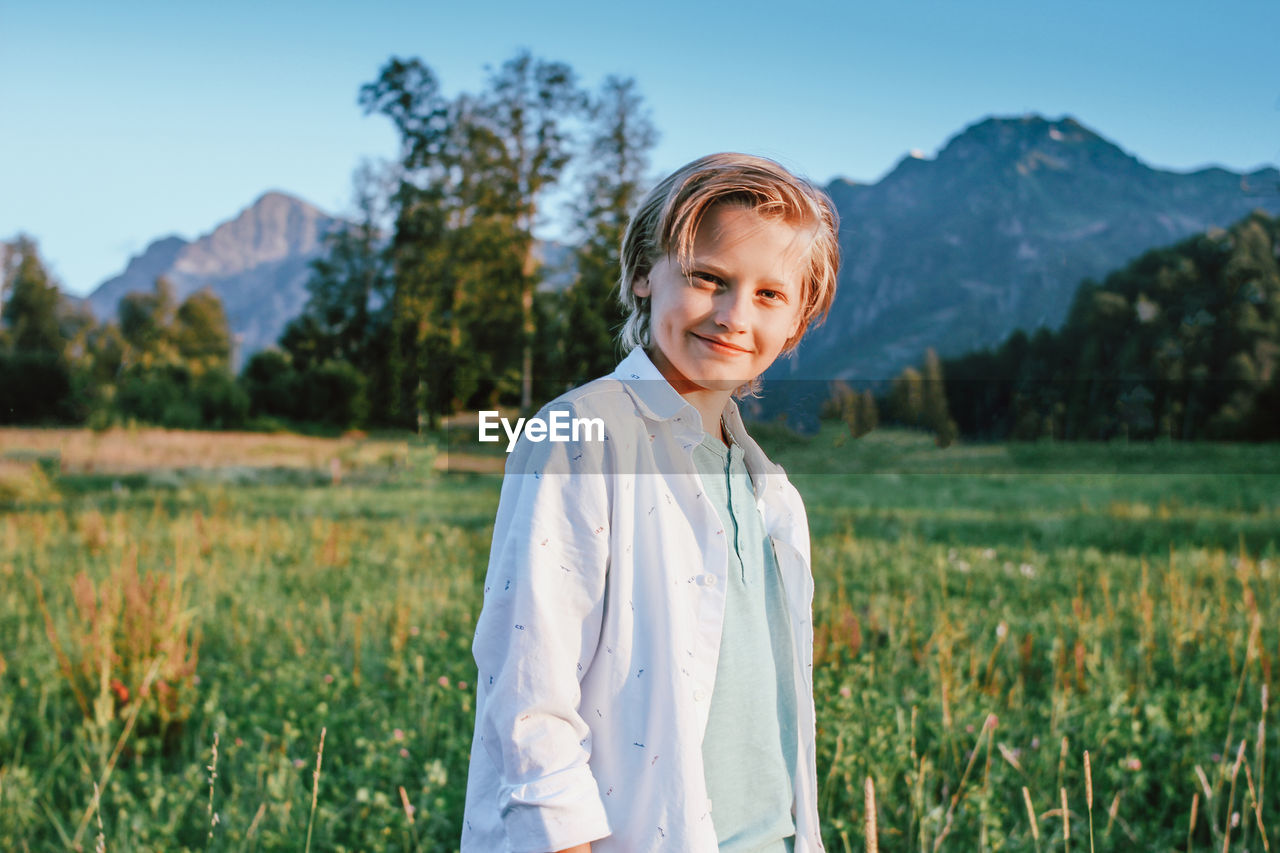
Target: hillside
x=1184 y=342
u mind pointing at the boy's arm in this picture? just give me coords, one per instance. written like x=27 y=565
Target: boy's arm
x=536 y=635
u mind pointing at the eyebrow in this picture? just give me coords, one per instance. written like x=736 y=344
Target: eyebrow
x=715 y=269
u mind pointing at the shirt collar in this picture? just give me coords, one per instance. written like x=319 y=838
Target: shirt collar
x=652 y=392
x=657 y=400
x=758 y=464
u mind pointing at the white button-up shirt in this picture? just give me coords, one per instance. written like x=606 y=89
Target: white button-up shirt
x=600 y=632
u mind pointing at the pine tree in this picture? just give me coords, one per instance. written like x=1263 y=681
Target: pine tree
x=934 y=414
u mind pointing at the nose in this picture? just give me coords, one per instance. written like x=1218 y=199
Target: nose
x=732 y=309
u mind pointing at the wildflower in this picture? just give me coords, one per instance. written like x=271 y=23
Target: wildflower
x=122 y=692
x=328 y=678
x=992 y=721
x=298 y=763
x=1134 y=764
x=846 y=692
x=1035 y=743
x=462 y=685
x=1028 y=570
x=413 y=630
x=1002 y=631
x=404 y=753
x=962 y=566
x=988 y=553
x=398 y=734
x=443 y=681
x=239 y=742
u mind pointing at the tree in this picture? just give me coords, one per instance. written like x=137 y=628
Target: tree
x=145 y=322
x=934 y=414
x=474 y=170
x=858 y=411
x=425 y=337
x=36 y=383
x=1180 y=343
x=869 y=414
x=31 y=312
x=348 y=314
x=200 y=332
x=906 y=397
x=622 y=135
x=268 y=378
x=173 y=361
x=530 y=102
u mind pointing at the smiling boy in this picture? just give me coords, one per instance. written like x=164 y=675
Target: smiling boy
x=645 y=644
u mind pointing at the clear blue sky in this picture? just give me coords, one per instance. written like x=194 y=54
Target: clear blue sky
x=124 y=122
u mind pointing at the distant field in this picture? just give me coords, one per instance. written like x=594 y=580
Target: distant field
x=984 y=616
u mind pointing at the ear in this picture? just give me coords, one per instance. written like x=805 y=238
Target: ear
x=641 y=287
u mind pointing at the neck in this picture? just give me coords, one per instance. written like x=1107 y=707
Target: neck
x=710 y=405
x=710 y=402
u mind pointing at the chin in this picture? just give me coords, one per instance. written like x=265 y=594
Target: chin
x=720 y=383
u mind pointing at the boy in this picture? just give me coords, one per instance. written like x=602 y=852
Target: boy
x=645 y=646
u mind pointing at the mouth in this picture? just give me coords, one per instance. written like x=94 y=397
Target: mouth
x=720 y=346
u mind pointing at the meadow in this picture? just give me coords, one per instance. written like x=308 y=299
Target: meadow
x=221 y=642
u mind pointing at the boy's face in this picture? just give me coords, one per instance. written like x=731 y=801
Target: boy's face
x=726 y=321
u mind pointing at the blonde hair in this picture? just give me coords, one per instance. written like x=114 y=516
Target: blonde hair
x=668 y=219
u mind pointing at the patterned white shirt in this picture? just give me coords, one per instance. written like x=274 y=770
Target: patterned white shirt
x=599 y=636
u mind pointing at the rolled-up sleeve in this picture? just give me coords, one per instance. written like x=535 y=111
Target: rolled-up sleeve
x=535 y=637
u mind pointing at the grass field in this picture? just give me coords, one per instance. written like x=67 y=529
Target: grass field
x=185 y=617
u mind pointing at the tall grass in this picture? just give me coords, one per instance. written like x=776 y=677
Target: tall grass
x=974 y=630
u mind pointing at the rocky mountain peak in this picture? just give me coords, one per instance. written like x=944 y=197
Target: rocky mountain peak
x=1032 y=142
x=275 y=227
x=258 y=263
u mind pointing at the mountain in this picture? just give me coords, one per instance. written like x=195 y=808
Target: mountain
x=996 y=233
x=257 y=263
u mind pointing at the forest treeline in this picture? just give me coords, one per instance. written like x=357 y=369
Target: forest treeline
x=428 y=303
x=1182 y=343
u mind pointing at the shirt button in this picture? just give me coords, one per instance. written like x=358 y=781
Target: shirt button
x=699 y=695
x=708 y=580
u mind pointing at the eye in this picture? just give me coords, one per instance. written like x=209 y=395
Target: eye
x=774 y=295
x=705 y=279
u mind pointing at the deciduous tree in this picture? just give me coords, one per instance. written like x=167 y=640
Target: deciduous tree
x=617 y=160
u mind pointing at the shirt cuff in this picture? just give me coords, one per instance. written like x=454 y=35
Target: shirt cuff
x=555 y=812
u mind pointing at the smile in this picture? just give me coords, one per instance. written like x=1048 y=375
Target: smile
x=721 y=346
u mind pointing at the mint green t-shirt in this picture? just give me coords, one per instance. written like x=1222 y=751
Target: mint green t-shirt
x=749 y=749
